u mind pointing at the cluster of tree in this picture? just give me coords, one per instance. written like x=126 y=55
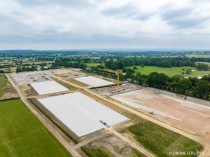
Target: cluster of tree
x=120 y=63
x=199 y=88
x=66 y=62
x=2 y=71
x=7 y=66
x=23 y=68
x=95 y=70
x=202 y=66
x=200 y=59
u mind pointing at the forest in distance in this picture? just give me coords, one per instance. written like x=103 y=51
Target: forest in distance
x=143 y=68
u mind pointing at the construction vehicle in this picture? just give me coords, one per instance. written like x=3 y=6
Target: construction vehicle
x=118 y=73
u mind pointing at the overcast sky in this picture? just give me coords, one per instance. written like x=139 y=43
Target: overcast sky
x=69 y=24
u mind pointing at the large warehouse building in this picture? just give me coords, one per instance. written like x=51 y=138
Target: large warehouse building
x=48 y=87
x=94 y=81
x=80 y=113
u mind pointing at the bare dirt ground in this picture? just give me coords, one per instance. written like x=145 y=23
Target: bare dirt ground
x=30 y=77
x=68 y=74
x=9 y=92
x=114 y=145
x=176 y=112
x=28 y=90
x=108 y=91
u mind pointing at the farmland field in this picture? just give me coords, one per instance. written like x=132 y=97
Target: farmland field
x=92 y=64
x=98 y=152
x=199 y=56
x=161 y=141
x=47 y=62
x=208 y=63
x=171 y=71
x=13 y=69
x=22 y=134
x=3 y=83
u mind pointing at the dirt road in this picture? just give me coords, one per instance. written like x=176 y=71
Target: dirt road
x=47 y=123
x=145 y=152
x=189 y=116
x=199 y=139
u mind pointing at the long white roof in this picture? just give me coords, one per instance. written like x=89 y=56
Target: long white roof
x=48 y=87
x=94 y=81
x=81 y=113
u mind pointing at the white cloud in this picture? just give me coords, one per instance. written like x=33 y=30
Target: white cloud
x=105 y=23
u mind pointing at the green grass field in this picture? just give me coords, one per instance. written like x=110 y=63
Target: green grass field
x=171 y=71
x=13 y=69
x=161 y=141
x=96 y=152
x=47 y=62
x=103 y=152
x=137 y=153
x=3 y=83
x=23 y=135
x=92 y=64
x=204 y=63
x=199 y=56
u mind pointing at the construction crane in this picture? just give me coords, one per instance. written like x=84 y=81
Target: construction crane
x=118 y=73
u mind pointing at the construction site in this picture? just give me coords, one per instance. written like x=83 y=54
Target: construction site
x=98 y=112
x=189 y=116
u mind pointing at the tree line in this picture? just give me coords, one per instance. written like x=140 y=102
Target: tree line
x=120 y=63
x=23 y=68
x=67 y=62
x=195 y=87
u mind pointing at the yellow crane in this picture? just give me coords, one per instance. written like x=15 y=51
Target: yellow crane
x=118 y=73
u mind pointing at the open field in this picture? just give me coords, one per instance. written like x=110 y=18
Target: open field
x=199 y=56
x=96 y=152
x=3 y=83
x=189 y=116
x=7 y=91
x=204 y=63
x=172 y=71
x=38 y=62
x=162 y=142
x=13 y=69
x=110 y=146
x=92 y=64
x=22 y=134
